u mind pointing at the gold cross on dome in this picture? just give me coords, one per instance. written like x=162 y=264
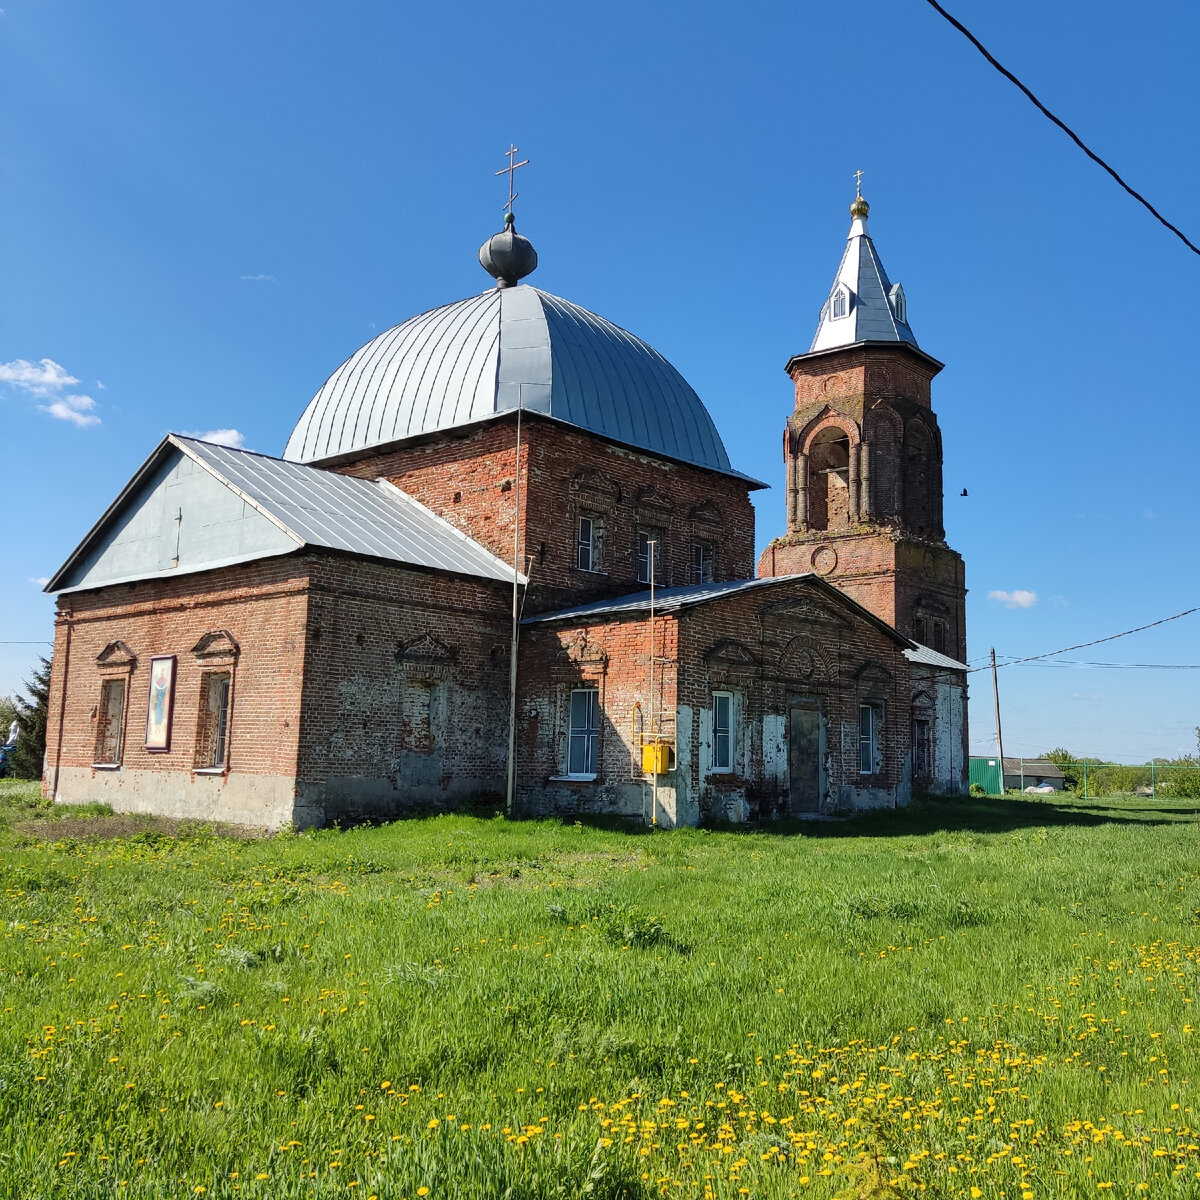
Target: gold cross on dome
x=857 y=184
x=510 y=171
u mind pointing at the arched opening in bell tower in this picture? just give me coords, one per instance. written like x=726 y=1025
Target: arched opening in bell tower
x=829 y=480
x=917 y=471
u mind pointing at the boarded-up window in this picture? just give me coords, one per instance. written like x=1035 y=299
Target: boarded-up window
x=212 y=734
x=922 y=747
x=424 y=715
x=110 y=723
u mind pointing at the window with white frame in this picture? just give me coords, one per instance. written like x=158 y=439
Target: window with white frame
x=584 y=735
x=212 y=733
x=838 y=304
x=870 y=730
x=704 y=555
x=722 y=712
x=110 y=723
x=589 y=542
x=651 y=544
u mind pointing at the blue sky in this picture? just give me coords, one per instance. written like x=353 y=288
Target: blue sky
x=205 y=209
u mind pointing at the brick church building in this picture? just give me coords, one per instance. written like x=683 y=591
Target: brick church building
x=505 y=550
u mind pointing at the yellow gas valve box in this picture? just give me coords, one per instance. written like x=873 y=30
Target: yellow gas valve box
x=656 y=757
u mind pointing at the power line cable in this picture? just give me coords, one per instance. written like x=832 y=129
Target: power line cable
x=1062 y=125
x=1082 y=645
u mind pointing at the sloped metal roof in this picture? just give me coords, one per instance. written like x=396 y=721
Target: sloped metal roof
x=674 y=599
x=314 y=507
x=871 y=314
x=338 y=512
x=479 y=357
x=932 y=658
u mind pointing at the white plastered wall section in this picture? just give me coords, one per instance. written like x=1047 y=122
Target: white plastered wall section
x=265 y=801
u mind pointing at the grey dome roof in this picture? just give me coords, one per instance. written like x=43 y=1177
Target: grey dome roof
x=475 y=358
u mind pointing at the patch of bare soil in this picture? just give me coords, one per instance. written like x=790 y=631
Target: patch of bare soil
x=96 y=829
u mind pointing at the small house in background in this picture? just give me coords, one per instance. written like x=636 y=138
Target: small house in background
x=1019 y=774
x=1022 y=773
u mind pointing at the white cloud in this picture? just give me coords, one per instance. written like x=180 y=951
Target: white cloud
x=40 y=378
x=1017 y=598
x=233 y=438
x=76 y=409
x=48 y=380
x=40 y=580
x=259 y=279
x=99 y=386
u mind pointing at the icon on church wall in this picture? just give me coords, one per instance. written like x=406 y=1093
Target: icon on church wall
x=162 y=697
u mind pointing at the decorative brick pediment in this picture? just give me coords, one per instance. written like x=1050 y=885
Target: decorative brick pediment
x=706 y=513
x=219 y=645
x=116 y=656
x=872 y=674
x=730 y=655
x=427 y=657
x=804 y=611
x=578 y=655
x=650 y=502
x=595 y=488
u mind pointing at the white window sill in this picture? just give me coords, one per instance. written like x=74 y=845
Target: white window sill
x=573 y=778
x=209 y=770
x=106 y=766
x=721 y=771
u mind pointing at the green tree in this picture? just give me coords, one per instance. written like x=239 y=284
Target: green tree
x=32 y=710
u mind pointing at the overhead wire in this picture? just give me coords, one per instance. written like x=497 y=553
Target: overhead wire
x=1063 y=126
x=1082 y=645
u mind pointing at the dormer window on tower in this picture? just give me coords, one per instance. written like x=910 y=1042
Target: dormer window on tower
x=899 y=304
x=839 y=302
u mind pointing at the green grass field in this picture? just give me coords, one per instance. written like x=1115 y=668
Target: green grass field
x=982 y=998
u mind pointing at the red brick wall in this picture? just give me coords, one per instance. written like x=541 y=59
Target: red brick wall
x=262 y=605
x=374 y=631
x=772 y=646
x=613 y=657
x=468 y=479
x=769 y=645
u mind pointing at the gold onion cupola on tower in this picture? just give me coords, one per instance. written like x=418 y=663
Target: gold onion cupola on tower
x=863 y=458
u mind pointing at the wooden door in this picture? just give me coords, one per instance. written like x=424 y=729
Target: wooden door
x=804 y=759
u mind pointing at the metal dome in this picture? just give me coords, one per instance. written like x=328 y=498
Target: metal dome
x=468 y=361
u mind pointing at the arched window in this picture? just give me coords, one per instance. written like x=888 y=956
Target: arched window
x=839 y=303
x=917 y=478
x=829 y=480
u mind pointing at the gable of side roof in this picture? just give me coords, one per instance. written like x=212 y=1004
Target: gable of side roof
x=676 y=599
x=195 y=506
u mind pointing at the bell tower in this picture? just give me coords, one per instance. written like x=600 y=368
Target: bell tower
x=863 y=458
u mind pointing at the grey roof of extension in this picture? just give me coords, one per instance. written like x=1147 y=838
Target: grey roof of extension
x=481 y=357
x=871 y=314
x=674 y=599
x=933 y=658
x=324 y=509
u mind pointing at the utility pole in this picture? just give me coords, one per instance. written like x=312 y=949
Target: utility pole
x=651 y=546
x=999 y=737
x=510 y=790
